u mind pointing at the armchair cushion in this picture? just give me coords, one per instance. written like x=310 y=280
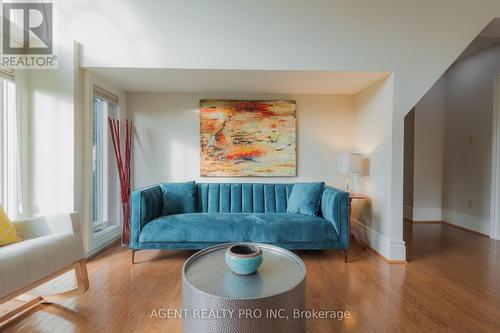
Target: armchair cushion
x=178 y=198
x=305 y=198
x=8 y=233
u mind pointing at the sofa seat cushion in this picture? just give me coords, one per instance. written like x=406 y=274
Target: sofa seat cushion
x=238 y=227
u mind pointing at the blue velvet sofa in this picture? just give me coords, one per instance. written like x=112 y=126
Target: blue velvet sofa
x=231 y=212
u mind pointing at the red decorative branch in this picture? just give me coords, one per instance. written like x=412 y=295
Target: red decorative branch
x=123 y=165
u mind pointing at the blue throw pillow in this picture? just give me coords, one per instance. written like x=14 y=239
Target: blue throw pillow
x=305 y=198
x=178 y=198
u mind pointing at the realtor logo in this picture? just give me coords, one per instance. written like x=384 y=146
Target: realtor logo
x=27 y=40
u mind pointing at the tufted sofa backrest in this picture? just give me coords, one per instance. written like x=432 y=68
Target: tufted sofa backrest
x=243 y=198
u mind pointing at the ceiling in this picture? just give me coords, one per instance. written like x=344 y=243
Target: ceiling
x=237 y=81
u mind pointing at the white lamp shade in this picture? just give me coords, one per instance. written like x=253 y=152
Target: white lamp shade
x=349 y=163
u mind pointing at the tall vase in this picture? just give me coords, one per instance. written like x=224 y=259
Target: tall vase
x=126 y=223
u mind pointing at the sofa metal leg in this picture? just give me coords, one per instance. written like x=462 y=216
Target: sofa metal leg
x=345 y=256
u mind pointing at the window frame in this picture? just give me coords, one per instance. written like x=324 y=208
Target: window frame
x=101 y=152
x=95 y=241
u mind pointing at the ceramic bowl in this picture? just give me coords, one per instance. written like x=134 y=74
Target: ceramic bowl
x=244 y=259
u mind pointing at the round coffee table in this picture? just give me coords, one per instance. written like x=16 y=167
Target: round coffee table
x=217 y=300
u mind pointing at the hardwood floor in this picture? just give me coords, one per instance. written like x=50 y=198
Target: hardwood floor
x=451 y=284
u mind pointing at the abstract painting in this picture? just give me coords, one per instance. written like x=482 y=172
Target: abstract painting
x=247 y=138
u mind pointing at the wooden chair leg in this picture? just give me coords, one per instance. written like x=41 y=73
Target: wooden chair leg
x=346 y=252
x=133 y=257
x=23 y=307
x=29 y=300
x=82 y=281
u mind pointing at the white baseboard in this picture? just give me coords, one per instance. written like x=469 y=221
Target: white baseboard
x=396 y=251
x=103 y=240
x=467 y=222
x=390 y=250
x=437 y=215
x=427 y=214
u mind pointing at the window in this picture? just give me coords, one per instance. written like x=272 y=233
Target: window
x=9 y=154
x=104 y=202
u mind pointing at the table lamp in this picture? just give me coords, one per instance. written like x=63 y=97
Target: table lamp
x=347 y=164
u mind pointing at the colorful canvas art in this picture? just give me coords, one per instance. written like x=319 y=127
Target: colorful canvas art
x=247 y=138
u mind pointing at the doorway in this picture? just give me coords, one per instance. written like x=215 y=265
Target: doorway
x=452 y=145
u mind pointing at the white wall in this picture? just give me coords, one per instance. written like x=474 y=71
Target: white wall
x=468 y=134
x=166 y=144
x=52 y=136
x=23 y=108
x=428 y=153
x=323 y=35
x=48 y=100
x=337 y=35
x=374 y=137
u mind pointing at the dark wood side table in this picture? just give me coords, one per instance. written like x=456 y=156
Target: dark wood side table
x=354 y=231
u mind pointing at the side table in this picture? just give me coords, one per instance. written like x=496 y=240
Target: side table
x=354 y=231
x=216 y=300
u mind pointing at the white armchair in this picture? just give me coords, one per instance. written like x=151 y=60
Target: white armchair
x=50 y=246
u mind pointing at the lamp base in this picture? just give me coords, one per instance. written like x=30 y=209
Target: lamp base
x=348 y=183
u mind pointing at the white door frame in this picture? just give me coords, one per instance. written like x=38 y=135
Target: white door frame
x=495 y=163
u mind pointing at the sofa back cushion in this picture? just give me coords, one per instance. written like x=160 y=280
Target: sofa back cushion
x=243 y=198
x=305 y=198
x=178 y=198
